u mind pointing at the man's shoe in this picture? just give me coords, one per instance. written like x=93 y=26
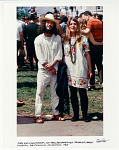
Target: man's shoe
x=39 y=120
x=86 y=119
x=74 y=119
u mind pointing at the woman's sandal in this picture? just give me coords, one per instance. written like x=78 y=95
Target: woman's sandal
x=61 y=119
x=38 y=120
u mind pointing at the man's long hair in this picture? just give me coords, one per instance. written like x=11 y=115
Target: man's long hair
x=42 y=28
x=68 y=34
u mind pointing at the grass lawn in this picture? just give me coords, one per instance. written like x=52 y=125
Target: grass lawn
x=26 y=91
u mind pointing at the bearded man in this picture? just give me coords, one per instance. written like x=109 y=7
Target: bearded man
x=48 y=49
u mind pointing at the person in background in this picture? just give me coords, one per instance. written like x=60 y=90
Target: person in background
x=19 y=46
x=48 y=49
x=83 y=24
x=56 y=16
x=37 y=20
x=25 y=47
x=55 y=10
x=64 y=11
x=30 y=33
x=19 y=40
x=59 y=28
x=23 y=18
x=71 y=8
x=95 y=26
x=100 y=17
x=63 y=23
x=81 y=15
x=33 y=11
x=95 y=15
x=22 y=21
x=27 y=20
x=79 y=69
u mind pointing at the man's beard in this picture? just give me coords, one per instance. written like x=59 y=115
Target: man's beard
x=49 y=31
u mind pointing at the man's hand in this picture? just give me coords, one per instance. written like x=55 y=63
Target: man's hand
x=49 y=66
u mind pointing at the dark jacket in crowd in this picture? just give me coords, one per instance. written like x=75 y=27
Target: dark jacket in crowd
x=30 y=33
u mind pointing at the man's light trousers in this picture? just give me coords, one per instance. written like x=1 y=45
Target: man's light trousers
x=44 y=78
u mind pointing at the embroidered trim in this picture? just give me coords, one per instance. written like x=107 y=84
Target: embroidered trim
x=79 y=82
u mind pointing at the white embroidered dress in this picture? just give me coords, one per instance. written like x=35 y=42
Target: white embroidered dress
x=77 y=72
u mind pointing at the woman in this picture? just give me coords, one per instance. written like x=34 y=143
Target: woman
x=79 y=70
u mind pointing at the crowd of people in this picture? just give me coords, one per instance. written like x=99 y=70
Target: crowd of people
x=67 y=50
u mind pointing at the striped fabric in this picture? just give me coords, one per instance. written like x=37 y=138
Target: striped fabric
x=96 y=27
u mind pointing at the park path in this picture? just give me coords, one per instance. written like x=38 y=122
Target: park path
x=27 y=127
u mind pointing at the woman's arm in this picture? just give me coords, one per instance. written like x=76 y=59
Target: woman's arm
x=87 y=55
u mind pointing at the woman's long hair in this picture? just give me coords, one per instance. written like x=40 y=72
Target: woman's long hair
x=68 y=33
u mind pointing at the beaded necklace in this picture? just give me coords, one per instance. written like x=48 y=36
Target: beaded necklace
x=72 y=51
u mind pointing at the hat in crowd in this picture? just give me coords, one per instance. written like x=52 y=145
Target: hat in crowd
x=49 y=17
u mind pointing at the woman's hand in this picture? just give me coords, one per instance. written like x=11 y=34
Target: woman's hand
x=53 y=71
x=90 y=74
